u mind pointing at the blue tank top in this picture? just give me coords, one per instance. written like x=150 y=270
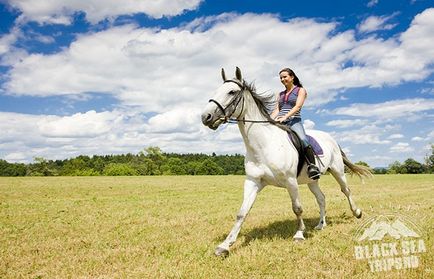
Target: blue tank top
x=286 y=104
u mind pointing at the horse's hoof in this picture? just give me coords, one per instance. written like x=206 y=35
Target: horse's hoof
x=298 y=236
x=221 y=252
x=319 y=227
x=358 y=213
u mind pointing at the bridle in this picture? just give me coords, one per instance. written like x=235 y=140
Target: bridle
x=238 y=98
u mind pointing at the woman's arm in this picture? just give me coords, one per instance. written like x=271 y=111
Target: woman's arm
x=276 y=110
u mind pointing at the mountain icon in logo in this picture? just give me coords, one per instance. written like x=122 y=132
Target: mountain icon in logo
x=383 y=226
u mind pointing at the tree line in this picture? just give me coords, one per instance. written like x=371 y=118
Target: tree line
x=152 y=161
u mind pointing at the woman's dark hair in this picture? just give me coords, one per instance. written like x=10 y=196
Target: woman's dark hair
x=291 y=73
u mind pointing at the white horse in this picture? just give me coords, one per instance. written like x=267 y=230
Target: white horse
x=271 y=158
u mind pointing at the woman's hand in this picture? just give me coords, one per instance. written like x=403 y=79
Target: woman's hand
x=282 y=119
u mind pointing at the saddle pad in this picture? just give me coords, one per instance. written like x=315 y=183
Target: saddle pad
x=315 y=145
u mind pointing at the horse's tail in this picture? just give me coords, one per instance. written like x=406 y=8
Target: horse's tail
x=360 y=171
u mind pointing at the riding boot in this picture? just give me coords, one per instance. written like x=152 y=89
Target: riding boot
x=312 y=170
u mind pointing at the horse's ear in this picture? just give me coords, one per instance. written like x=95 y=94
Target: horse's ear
x=238 y=74
x=223 y=75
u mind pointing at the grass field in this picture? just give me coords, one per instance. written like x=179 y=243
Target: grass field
x=168 y=227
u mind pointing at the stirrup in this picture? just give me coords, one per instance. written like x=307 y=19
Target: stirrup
x=313 y=172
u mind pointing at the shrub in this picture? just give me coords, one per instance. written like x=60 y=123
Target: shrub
x=119 y=169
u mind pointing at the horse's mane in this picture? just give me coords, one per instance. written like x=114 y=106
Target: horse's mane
x=266 y=102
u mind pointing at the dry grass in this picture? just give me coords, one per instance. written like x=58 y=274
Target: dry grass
x=168 y=227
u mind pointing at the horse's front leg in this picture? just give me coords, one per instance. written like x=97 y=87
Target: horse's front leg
x=251 y=190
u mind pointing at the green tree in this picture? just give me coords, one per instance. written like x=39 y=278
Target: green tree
x=173 y=166
x=74 y=167
x=396 y=167
x=361 y=163
x=150 y=167
x=192 y=167
x=413 y=166
x=8 y=169
x=156 y=155
x=429 y=161
x=209 y=167
x=380 y=170
x=119 y=169
x=40 y=167
x=97 y=163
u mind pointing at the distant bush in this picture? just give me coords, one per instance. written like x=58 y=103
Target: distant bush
x=7 y=169
x=174 y=166
x=119 y=169
x=87 y=172
x=209 y=167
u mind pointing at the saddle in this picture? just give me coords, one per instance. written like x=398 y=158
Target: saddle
x=299 y=147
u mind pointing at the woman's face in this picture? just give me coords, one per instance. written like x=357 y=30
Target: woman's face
x=286 y=79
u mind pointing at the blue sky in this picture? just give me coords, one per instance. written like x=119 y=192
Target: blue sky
x=100 y=77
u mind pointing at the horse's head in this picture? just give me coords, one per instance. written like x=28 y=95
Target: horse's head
x=225 y=102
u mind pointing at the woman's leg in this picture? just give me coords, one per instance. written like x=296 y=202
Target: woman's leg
x=312 y=170
x=297 y=127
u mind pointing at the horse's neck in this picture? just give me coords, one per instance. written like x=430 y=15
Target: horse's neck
x=252 y=111
x=257 y=136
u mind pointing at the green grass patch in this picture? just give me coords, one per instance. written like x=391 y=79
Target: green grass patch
x=169 y=226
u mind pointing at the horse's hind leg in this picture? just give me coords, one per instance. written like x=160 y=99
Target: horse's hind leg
x=296 y=207
x=342 y=180
x=320 y=198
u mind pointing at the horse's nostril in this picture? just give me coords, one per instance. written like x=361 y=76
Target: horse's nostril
x=206 y=118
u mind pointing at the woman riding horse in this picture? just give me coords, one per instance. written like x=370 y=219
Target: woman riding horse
x=287 y=111
x=271 y=158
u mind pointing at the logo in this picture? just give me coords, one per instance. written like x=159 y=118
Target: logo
x=389 y=242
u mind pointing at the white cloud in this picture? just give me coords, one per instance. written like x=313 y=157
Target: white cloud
x=177 y=120
x=417 y=139
x=7 y=40
x=356 y=138
x=372 y=3
x=308 y=124
x=15 y=126
x=396 y=136
x=389 y=110
x=375 y=23
x=378 y=160
x=151 y=67
x=26 y=136
x=401 y=147
x=347 y=123
x=61 y=12
x=16 y=157
x=428 y=91
x=229 y=133
x=89 y=124
x=369 y=134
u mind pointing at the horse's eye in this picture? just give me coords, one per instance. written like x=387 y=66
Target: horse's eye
x=232 y=92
